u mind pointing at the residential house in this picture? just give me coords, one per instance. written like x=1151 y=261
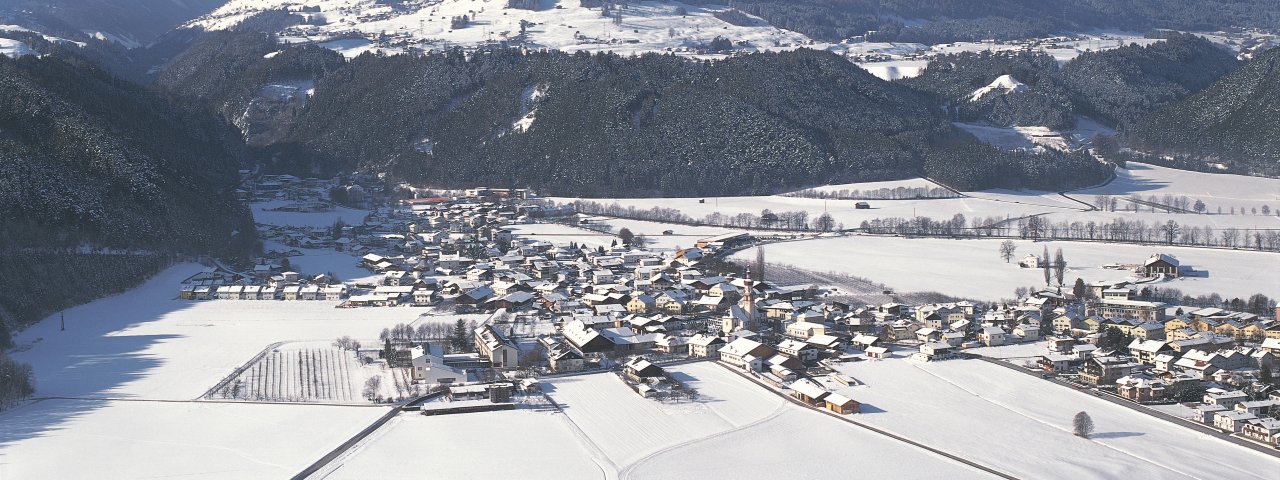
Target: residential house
x=991 y=336
x=705 y=346
x=494 y=345
x=1099 y=371
x=841 y=404
x=802 y=351
x=746 y=354
x=808 y=391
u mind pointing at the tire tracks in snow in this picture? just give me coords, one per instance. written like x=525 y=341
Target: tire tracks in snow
x=626 y=472
x=1055 y=427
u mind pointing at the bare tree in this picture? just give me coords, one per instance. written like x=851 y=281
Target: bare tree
x=1006 y=250
x=373 y=387
x=1083 y=425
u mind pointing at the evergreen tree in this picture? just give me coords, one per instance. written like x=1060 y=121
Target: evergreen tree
x=459 y=338
x=1059 y=265
x=6 y=339
x=1080 y=290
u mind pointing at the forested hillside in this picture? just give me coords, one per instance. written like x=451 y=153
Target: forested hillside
x=941 y=21
x=1123 y=85
x=1043 y=100
x=1235 y=121
x=580 y=124
x=90 y=162
x=1117 y=87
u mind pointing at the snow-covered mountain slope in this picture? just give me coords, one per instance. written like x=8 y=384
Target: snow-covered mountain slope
x=1002 y=84
x=355 y=26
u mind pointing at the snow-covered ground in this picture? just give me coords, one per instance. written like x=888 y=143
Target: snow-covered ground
x=315 y=372
x=158 y=354
x=973 y=269
x=681 y=235
x=562 y=235
x=994 y=416
x=505 y=444
x=736 y=430
x=13 y=48
x=263 y=213
x=63 y=439
x=842 y=211
x=646 y=26
x=147 y=344
x=1216 y=190
x=1037 y=138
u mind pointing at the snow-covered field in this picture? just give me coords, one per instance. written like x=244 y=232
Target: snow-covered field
x=64 y=439
x=681 y=235
x=736 y=430
x=263 y=213
x=155 y=354
x=1226 y=191
x=842 y=211
x=13 y=48
x=313 y=372
x=646 y=26
x=1021 y=424
x=1037 y=138
x=1216 y=190
x=973 y=268
x=561 y=234
x=497 y=445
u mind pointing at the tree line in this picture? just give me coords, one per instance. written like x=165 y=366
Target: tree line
x=895 y=193
x=1036 y=227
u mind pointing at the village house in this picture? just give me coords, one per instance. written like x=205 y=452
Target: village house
x=705 y=346
x=1160 y=264
x=1117 y=308
x=1265 y=430
x=500 y=350
x=641 y=370
x=991 y=336
x=799 y=350
x=1232 y=420
x=431 y=369
x=1100 y=371
x=746 y=354
x=841 y=404
x=1146 y=351
x=808 y=391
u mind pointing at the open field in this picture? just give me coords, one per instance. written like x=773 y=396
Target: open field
x=561 y=235
x=65 y=439
x=1215 y=190
x=736 y=430
x=498 y=445
x=1224 y=191
x=682 y=235
x=262 y=213
x=953 y=403
x=156 y=354
x=311 y=372
x=973 y=268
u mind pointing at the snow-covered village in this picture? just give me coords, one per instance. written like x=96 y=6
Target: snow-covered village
x=384 y=327
x=639 y=239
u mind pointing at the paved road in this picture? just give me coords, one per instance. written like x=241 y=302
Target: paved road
x=1201 y=428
